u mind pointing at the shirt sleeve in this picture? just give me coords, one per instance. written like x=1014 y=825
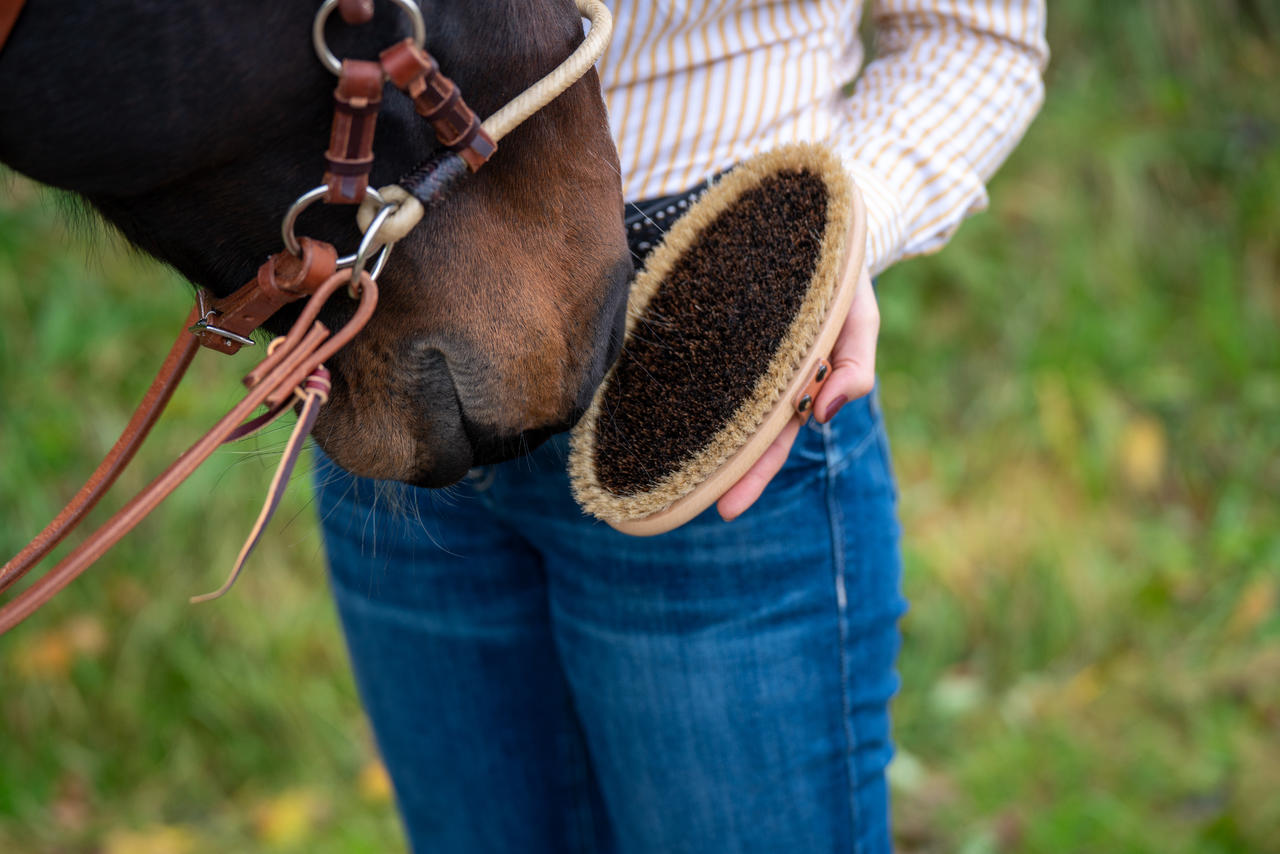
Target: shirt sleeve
x=952 y=88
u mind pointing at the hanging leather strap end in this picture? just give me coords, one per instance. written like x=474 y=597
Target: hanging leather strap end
x=314 y=393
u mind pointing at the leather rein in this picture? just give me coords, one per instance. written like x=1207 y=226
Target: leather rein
x=292 y=375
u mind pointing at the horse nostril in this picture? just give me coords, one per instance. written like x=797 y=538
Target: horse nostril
x=444 y=447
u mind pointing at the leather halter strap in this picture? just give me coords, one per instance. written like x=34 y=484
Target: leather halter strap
x=9 y=11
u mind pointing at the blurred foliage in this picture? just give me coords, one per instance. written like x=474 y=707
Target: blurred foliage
x=1084 y=396
x=1083 y=393
x=130 y=721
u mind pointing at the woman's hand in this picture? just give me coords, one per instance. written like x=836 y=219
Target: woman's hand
x=853 y=374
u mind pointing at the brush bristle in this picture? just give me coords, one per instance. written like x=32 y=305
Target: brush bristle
x=724 y=312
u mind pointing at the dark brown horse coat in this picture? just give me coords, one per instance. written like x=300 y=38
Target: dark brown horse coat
x=192 y=126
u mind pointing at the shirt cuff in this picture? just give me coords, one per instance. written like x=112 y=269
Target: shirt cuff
x=886 y=217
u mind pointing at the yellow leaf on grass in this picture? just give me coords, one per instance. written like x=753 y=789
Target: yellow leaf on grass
x=288 y=818
x=374 y=784
x=162 y=839
x=49 y=656
x=51 y=653
x=1143 y=450
x=1256 y=603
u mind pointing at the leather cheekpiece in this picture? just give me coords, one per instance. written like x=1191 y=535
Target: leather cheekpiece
x=349 y=159
x=438 y=100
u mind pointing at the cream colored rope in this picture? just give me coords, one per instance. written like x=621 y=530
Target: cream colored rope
x=410 y=210
x=562 y=77
x=403 y=219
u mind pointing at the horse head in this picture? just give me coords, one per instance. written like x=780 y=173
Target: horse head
x=192 y=127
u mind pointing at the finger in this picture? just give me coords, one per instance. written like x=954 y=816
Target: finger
x=749 y=487
x=853 y=359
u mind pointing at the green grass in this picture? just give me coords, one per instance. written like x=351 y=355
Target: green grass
x=1083 y=393
x=128 y=717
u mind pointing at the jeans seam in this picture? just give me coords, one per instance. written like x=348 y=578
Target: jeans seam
x=835 y=518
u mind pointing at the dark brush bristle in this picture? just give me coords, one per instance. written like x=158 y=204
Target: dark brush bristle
x=709 y=333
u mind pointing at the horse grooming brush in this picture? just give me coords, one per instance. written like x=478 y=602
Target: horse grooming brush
x=728 y=330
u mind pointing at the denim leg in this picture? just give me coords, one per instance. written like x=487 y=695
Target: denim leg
x=446 y=619
x=862 y=500
x=539 y=682
x=733 y=679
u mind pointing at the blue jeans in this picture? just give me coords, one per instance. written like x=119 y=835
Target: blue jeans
x=541 y=683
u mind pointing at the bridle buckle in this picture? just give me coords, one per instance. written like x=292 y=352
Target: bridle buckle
x=202 y=326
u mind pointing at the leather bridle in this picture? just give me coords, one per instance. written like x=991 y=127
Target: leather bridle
x=292 y=375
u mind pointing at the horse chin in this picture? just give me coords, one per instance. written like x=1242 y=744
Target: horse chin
x=416 y=431
x=441 y=461
x=438 y=478
x=423 y=438
x=491 y=449
x=379 y=426
x=397 y=458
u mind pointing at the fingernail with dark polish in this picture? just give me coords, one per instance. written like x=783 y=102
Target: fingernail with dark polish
x=834 y=408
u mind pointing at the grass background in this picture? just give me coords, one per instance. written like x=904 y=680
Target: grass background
x=1083 y=394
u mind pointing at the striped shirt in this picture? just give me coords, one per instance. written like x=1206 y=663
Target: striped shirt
x=694 y=86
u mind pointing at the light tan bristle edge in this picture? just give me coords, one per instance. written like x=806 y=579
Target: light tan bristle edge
x=609 y=506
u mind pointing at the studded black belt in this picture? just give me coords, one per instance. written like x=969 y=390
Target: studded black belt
x=648 y=220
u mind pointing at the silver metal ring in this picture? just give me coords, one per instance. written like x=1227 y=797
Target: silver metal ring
x=361 y=258
x=305 y=201
x=380 y=261
x=332 y=62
